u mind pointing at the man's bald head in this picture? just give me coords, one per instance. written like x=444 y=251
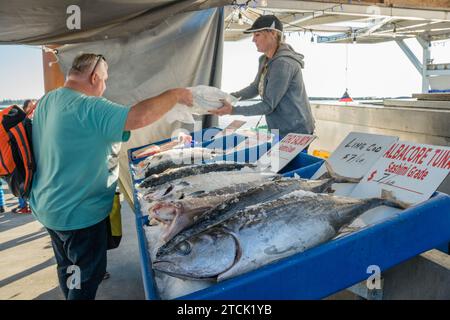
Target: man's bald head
x=90 y=71
x=84 y=64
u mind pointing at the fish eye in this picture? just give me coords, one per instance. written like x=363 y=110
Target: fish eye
x=184 y=248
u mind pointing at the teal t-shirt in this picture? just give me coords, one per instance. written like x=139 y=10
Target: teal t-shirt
x=73 y=140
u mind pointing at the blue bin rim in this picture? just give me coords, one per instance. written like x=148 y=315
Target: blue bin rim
x=259 y=274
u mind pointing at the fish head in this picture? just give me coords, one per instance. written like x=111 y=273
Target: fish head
x=164 y=211
x=201 y=257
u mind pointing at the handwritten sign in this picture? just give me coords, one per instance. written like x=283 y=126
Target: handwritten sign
x=283 y=152
x=411 y=171
x=356 y=154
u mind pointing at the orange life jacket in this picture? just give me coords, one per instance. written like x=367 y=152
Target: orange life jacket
x=16 y=153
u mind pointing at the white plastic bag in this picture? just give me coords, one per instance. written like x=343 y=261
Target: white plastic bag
x=205 y=98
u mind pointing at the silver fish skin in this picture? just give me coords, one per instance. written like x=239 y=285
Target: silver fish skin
x=223 y=206
x=178 y=173
x=262 y=234
x=175 y=158
x=202 y=183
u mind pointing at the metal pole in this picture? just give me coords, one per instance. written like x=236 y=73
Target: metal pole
x=425 y=60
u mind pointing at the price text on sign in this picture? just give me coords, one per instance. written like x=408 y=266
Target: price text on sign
x=361 y=146
x=356 y=154
x=412 y=171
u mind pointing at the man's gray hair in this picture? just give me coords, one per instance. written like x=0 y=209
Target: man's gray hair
x=83 y=63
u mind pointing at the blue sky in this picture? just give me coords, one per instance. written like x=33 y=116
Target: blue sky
x=373 y=70
x=20 y=72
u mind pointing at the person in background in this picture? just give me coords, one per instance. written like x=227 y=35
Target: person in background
x=279 y=83
x=23 y=207
x=74 y=131
x=29 y=106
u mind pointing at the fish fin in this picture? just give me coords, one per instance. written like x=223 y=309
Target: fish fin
x=276 y=178
x=393 y=201
x=325 y=175
x=330 y=189
x=338 y=178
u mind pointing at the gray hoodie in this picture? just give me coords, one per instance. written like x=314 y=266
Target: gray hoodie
x=285 y=102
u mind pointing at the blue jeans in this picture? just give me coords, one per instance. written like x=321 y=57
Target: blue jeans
x=86 y=250
x=22 y=203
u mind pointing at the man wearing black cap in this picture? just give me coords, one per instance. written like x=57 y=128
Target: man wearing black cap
x=279 y=82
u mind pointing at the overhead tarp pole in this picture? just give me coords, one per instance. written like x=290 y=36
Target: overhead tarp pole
x=184 y=50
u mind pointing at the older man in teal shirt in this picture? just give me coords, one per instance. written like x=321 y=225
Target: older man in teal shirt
x=74 y=131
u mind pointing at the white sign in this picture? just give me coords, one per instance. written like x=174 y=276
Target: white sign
x=357 y=154
x=232 y=127
x=284 y=151
x=411 y=171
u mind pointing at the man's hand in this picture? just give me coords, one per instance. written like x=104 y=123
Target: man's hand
x=184 y=96
x=226 y=109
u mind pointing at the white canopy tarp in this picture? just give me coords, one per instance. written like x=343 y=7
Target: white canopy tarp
x=150 y=46
x=46 y=21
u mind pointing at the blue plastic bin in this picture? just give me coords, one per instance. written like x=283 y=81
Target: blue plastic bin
x=331 y=267
x=304 y=165
x=328 y=268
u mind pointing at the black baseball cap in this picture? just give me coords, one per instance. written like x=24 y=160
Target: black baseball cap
x=268 y=22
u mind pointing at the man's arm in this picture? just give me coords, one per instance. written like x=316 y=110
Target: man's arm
x=150 y=110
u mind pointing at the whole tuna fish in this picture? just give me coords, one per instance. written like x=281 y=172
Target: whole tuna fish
x=262 y=234
x=178 y=173
x=206 y=182
x=217 y=206
x=174 y=158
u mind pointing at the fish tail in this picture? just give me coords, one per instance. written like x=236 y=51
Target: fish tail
x=390 y=200
x=338 y=178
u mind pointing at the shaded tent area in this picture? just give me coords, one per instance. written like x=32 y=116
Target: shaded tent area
x=150 y=46
x=153 y=45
